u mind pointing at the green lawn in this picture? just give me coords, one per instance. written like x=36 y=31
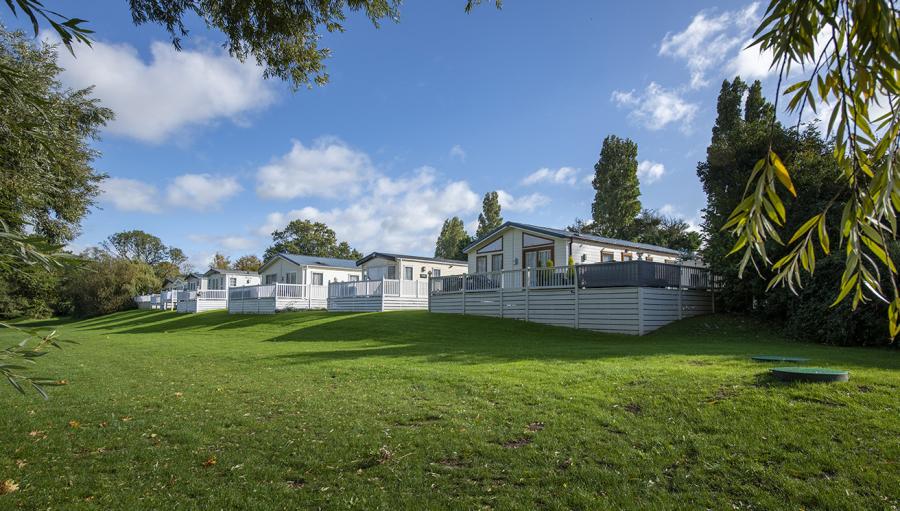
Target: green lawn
x=411 y=410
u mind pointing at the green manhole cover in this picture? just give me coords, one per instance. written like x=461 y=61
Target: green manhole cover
x=810 y=374
x=778 y=358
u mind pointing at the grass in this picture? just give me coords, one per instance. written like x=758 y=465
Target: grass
x=411 y=410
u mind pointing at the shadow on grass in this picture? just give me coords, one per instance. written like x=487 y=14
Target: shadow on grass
x=472 y=339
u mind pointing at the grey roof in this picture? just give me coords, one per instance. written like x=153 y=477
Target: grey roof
x=228 y=272
x=562 y=233
x=394 y=257
x=306 y=260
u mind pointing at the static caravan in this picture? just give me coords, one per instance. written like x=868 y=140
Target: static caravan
x=391 y=282
x=209 y=291
x=292 y=281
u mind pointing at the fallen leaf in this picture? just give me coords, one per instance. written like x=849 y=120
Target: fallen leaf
x=21 y=463
x=36 y=433
x=126 y=418
x=74 y=424
x=8 y=486
x=179 y=394
x=210 y=462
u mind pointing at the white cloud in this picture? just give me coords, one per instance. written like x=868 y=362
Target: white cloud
x=657 y=107
x=650 y=171
x=458 y=152
x=329 y=168
x=395 y=214
x=176 y=89
x=130 y=195
x=709 y=39
x=201 y=192
x=562 y=175
x=751 y=63
x=524 y=203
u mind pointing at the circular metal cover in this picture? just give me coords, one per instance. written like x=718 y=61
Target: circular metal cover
x=810 y=374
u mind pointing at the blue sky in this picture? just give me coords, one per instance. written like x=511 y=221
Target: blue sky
x=420 y=119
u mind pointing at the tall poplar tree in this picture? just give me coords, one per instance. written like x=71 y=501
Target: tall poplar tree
x=490 y=218
x=452 y=240
x=616 y=202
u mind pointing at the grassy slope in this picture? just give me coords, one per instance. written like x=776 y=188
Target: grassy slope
x=294 y=409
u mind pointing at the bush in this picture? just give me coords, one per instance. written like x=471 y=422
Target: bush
x=107 y=285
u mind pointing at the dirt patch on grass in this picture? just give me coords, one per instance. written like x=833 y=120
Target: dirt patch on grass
x=699 y=363
x=634 y=408
x=515 y=444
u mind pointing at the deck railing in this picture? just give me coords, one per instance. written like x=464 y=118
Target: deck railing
x=203 y=294
x=383 y=287
x=278 y=290
x=598 y=275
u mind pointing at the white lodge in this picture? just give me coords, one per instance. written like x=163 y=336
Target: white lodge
x=514 y=246
x=292 y=281
x=391 y=282
x=380 y=265
x=209 y=291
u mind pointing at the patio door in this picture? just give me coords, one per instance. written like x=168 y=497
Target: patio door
x=534 y=256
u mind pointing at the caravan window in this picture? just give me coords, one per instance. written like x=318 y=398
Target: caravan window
x=354 y=278
x=496 y=262
x=317 y=279
x=232 y=281
x=391 y=272
x=290 y=277
x=407 y=273
x=271 y=278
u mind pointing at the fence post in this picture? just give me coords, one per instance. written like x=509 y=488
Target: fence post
x=464 y=293
x=680 y=305
x=640 y=311
x=527 y=286
x=577 y=306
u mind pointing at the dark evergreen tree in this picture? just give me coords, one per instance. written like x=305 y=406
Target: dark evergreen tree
x=452 y=240
x=617 y=198
x=490 y=218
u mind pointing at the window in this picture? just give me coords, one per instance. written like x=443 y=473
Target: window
x=290 y=277
x=496 y=262
x=626 y=257
x=354 y=278
x=480 y=264
x=435 y=272
x=232 y=281
x=317 y=279
x=407 y=273
x=391 y=272
x=607 y=258
x=537 y=258
x=271 y=278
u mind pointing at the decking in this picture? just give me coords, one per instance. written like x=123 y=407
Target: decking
x=201 y=301
x=270 y=298
x=378 y=295
x=634 y=297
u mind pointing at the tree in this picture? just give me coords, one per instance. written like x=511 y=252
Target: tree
x=731 y=158
x=137 y=246
x=107 y=284
x=452 y=240
x=489 y=218
x=846 y=54
x=220 y=262
x=179 y=259
x=616 y=202
x=46 y=139
x=248 y=263
x=309 y=238
x=655 y=229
